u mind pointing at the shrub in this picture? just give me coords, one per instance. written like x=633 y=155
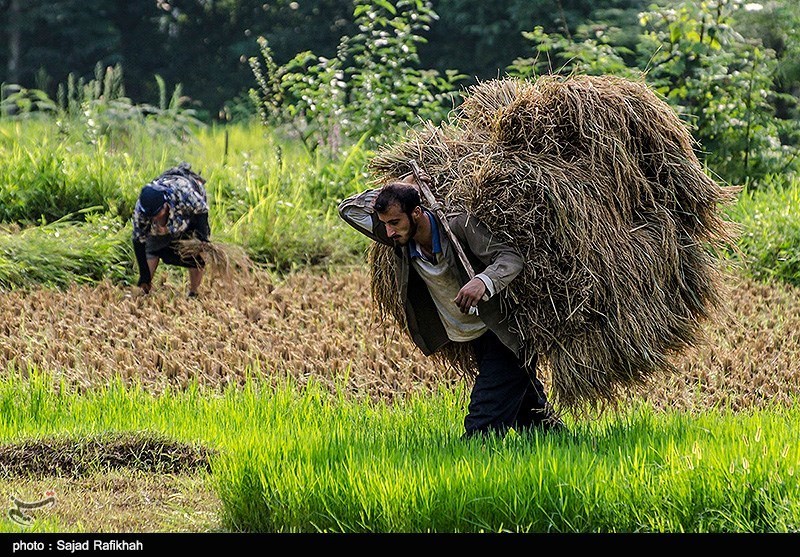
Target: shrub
x=369 y=90
x=721 y=82
x=770 y=236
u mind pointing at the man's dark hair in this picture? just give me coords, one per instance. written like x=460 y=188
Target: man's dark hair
x=403 y=194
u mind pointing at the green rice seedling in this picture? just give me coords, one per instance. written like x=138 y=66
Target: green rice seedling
x=295 y=458
x=281 y=205
x=770 y=237
x=396 y=469
x=48 y=176
x=64 y=252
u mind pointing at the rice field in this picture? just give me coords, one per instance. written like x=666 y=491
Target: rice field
x=92 y=336
x=325 y=326
x=101 y=368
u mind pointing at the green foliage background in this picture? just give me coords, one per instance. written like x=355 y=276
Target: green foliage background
x=276 y=177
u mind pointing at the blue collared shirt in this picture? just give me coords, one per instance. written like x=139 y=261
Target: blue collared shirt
x=413 y=250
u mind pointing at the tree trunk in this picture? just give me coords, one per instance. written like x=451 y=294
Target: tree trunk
x=14 y=40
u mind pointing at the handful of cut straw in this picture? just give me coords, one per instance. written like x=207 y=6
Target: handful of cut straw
x=223 y=259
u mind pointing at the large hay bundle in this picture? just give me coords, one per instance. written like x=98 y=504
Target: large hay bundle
x=595 y=180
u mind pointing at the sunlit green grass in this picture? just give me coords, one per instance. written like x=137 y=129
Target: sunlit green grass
x=297 y=459
x=770 y=229
x=65 y=252
x=267 y=193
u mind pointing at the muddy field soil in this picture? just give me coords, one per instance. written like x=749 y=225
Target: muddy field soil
x=325 y=326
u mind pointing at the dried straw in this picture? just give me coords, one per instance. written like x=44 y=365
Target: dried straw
x=223 y=259
x=595 y=180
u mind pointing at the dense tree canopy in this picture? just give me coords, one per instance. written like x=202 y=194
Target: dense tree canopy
x=481 y=38
x=362 y=66
x=204 y=44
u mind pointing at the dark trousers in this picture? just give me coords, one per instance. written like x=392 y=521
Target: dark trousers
x=506 y=394
x=165 y=247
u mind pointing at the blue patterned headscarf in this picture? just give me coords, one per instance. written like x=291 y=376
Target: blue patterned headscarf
x=152 y=200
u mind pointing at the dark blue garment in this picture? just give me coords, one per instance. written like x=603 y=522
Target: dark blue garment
x=152 y=200
x=413 y=250
x=506 y=394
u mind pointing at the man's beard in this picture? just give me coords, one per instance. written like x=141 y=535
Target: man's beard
x=411 y=232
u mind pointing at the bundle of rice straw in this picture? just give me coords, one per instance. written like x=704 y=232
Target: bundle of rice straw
x=223 y=259
x=596 y=182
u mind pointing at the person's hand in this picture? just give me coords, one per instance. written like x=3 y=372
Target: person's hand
x=409 y=179
x=412 y=180
x=470 y=294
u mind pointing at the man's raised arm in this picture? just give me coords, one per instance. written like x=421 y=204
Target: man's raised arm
x=357 y=211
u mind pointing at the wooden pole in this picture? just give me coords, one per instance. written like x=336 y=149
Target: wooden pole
x=437 y=208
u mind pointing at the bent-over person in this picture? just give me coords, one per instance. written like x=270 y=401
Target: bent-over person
x=173 y=207
x=443 y=304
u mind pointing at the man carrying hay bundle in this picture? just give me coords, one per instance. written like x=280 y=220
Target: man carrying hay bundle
x=595 y=182
x=446 y=303
x=171 y=209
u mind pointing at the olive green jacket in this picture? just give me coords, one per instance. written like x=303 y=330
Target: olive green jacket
x=489 y=257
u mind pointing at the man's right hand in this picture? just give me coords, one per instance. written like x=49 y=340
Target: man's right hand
x=470 y=294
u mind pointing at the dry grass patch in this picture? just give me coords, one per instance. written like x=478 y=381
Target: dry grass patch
x=75 y=457
x=121 y=501
x=110 y=482
x=303 y=325
x=326 y=327
x=749 y=358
